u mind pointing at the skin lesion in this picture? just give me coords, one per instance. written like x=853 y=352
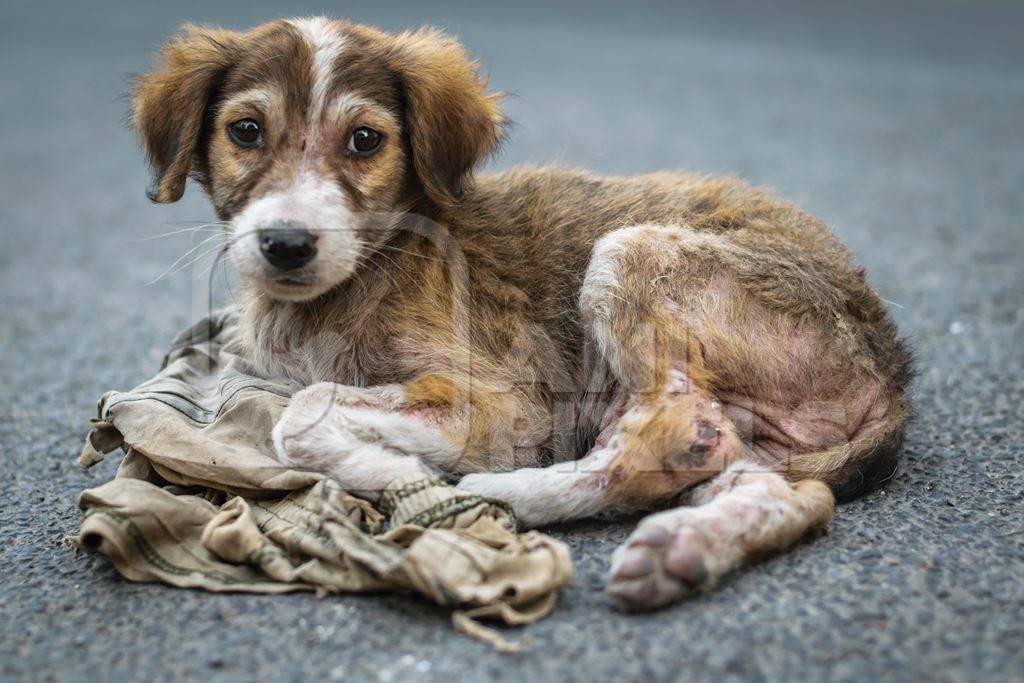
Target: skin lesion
x=487 y=425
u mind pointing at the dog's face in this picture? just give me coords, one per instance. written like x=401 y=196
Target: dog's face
x=310 y=136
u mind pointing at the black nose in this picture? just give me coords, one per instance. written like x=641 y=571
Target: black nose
x=286 y=246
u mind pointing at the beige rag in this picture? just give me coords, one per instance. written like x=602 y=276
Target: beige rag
x=199 y=501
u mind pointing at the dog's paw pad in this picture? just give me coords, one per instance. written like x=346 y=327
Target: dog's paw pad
x=658 y=565
x=684 y=558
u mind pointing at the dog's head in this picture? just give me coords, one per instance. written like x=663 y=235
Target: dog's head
x=305 y=133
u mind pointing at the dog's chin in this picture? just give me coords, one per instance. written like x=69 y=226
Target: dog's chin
x=295 y=289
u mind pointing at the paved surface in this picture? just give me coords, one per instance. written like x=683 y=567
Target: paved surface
x=899 y=124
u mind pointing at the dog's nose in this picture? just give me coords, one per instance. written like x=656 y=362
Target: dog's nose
x=287 y=245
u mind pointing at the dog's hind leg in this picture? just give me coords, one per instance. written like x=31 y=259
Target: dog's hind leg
x=743 y=514
x=664 y=430
x=672 y=314
x=655 y=445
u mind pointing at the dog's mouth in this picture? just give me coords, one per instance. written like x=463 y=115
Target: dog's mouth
x=291 y=286
x=293 y=281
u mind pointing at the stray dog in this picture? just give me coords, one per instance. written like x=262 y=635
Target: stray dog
x=574 y=345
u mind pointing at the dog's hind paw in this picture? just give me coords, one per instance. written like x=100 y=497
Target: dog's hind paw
x=665 y=559
x=747 y=513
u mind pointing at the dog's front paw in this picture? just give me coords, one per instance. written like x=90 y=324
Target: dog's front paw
x=321 y=424
x=303 y=430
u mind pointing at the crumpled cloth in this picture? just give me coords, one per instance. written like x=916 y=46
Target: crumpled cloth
x=200 y=501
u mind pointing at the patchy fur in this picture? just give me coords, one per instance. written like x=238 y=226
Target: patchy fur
x=573 y=343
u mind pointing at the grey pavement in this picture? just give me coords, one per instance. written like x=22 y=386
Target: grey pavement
x=902 y=124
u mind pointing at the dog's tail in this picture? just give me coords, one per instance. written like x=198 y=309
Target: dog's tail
x=870 y=458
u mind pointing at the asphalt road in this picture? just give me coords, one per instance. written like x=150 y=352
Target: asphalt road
x=899 y=123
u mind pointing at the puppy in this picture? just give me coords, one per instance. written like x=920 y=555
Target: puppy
x=575 y=345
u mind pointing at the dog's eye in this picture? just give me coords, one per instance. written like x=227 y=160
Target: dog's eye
x=364 y=141
x=244 y=133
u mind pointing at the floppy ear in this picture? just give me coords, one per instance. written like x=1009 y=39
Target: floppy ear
x=170 y=103
x=452 y=123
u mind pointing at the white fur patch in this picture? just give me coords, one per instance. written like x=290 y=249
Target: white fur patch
x=261 y=99
x=358 y=436
x=315 y=202
x=602 y=285
x=561 y=492
x=327 y=43
x=348 y=103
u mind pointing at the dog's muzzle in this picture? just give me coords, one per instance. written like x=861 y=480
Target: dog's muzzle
x=287 y=245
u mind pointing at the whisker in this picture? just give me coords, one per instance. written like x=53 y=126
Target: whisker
x=172 y=233
x=205 y=222
x=183 y=257
x=394 y=283
x=213 y=272
x=199 y=258
x=411 y=253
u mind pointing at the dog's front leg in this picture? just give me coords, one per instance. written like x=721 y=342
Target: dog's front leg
x=363 y=437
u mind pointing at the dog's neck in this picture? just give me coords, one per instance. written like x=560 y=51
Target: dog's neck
x=317 y=340
x=343 y=335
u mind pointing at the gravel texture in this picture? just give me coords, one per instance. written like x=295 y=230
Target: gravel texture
x=899 y=123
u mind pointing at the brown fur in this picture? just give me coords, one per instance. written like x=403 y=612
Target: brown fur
x=485 y=312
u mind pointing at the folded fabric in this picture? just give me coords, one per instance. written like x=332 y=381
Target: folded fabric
x=199 y=501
